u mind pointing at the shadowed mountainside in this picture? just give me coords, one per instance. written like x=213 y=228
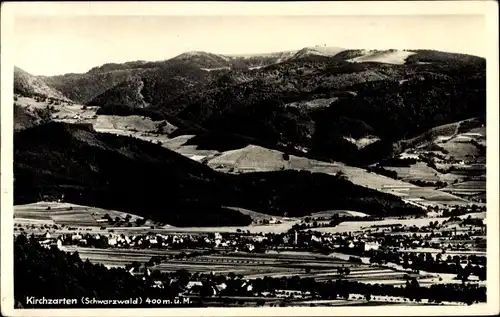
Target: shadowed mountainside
x=131 y=175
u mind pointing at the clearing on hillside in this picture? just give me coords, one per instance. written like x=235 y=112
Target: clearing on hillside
x=255 y=158
x=387 y=57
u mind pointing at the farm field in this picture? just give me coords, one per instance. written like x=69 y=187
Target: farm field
x=353 y=226
x=135 y=123
x=251 y=266
x=273 y=228
x=472 y=187
x=418 y=171
x=65 y=213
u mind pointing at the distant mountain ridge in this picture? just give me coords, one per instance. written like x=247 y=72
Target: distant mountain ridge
x=83 y=87
x=319 y=100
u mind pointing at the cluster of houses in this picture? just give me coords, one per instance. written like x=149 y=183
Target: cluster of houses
x=47 y=241
x=231 y=242
x=371 y=239
x=151 y=240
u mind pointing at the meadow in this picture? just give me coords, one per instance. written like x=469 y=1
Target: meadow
x=66 y=213
x=255 y=158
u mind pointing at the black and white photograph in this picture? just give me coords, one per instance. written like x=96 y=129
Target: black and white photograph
x=323 y=159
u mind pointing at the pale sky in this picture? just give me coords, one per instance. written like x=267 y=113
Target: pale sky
x=57 y=45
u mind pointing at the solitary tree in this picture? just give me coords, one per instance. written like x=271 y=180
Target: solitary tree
x=21 y=239
x=368 y=296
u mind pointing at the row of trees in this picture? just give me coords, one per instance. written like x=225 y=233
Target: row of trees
x=126 y=221
x=383 y=171
x=398 y=162
x=426 y=262
x=336 y=289
x=423 y=183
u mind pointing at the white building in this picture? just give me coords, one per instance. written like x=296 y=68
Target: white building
x=191 y=284
x=372 y=246
x=250 y=247
x=314 y=238
x=258 y=238
x=221 y=287
x=218 y=242
x=112 y=241
x=158 y=284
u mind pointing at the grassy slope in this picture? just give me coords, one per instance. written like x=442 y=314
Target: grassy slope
x=28 y=85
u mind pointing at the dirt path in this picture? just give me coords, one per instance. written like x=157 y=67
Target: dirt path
x=454 y=133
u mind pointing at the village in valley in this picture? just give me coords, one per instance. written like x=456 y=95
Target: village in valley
x=445 y=249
